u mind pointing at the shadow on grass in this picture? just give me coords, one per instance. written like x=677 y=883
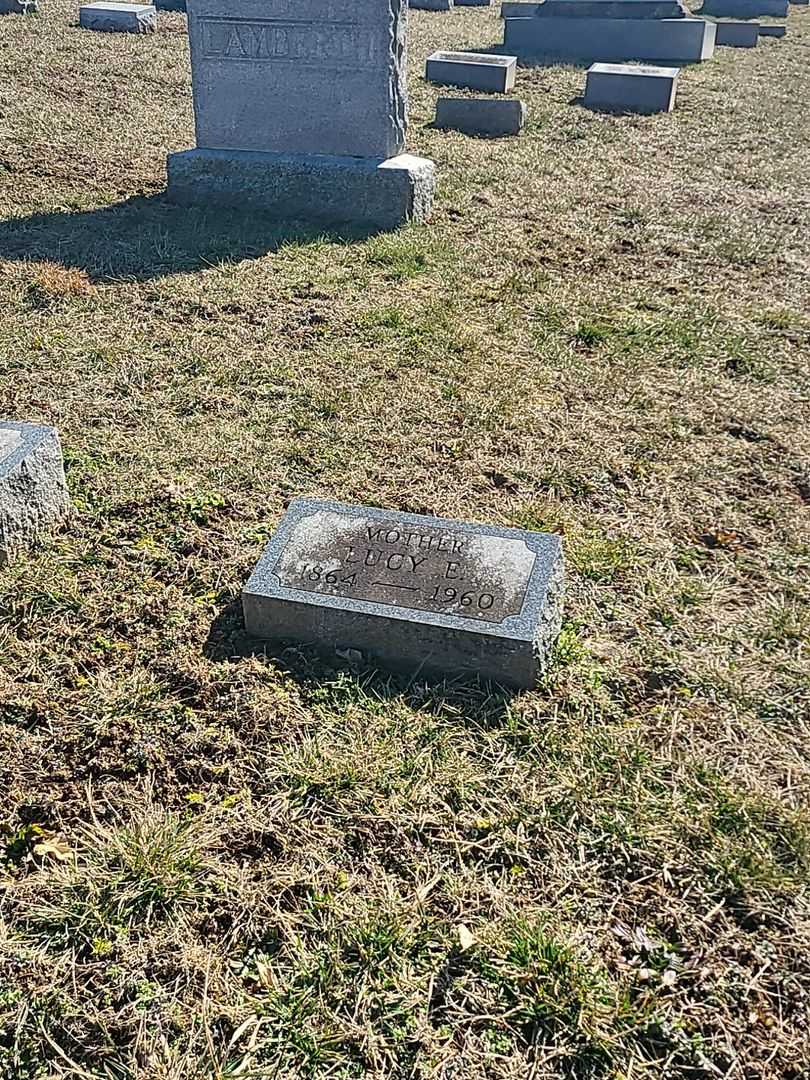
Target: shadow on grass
x=485 y=703
x=148 y=237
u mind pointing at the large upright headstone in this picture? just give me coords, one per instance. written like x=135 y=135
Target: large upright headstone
x=33 y=493
x=421 y=594
x=300 y=110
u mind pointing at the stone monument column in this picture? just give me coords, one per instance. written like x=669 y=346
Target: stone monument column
x=300 y=110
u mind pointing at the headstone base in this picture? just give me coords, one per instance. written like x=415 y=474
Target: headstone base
x=334 y=190
x=684 y=41
x=33 y=493
x=771 y=30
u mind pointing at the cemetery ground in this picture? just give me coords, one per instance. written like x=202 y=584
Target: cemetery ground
x=221 y=860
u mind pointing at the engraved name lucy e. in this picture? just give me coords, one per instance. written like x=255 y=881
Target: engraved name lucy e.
x=336 y=44
x=475 y=576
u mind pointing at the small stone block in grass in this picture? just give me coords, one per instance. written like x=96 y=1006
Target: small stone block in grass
x=472 y=71
x=631 y=88
x=738 y=35
x=33 y=493
x=118 y=18
x=772 y=30
x=420 y=594
x=481 y=116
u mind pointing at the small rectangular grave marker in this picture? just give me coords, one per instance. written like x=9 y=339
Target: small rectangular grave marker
x=474 y=71
x=481 y=116
x=120 y=18
x=738 y=35
x=771 y=30
x=33 y=493
x=631 y=88
x=418 y=593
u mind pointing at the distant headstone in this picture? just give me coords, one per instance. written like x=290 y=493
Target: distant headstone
x=33 y=493
x=739 y=35
x=473 y=3
x=118 y=18
x=771 y=30
x=170 y=5
x=473 y=71
x=18 y=7
x=631 y=88
x=745 y=9
x=300 y=109
x=481 y=116
x=431 y=5
x=656 y=40
x=420 y=594
x=595 y=9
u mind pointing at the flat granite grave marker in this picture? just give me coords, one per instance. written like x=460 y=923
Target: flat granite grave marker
x=630 y=88
x=33 y=493
x=118 y=18
x=300 y=110
x=738 y=35
x=480 y=116
x=771 y=30
x=420 y=594
x=472 y=71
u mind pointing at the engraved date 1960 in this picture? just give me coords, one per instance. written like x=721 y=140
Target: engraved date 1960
x=441 y=596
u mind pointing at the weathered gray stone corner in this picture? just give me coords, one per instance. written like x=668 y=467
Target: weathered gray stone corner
x=424 y=595
x=118 y=18
x=18 y=7
x=33 y=492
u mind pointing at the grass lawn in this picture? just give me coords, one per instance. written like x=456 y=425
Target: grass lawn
x=222 y=862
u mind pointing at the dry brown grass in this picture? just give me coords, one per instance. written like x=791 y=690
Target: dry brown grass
x=221 y=863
